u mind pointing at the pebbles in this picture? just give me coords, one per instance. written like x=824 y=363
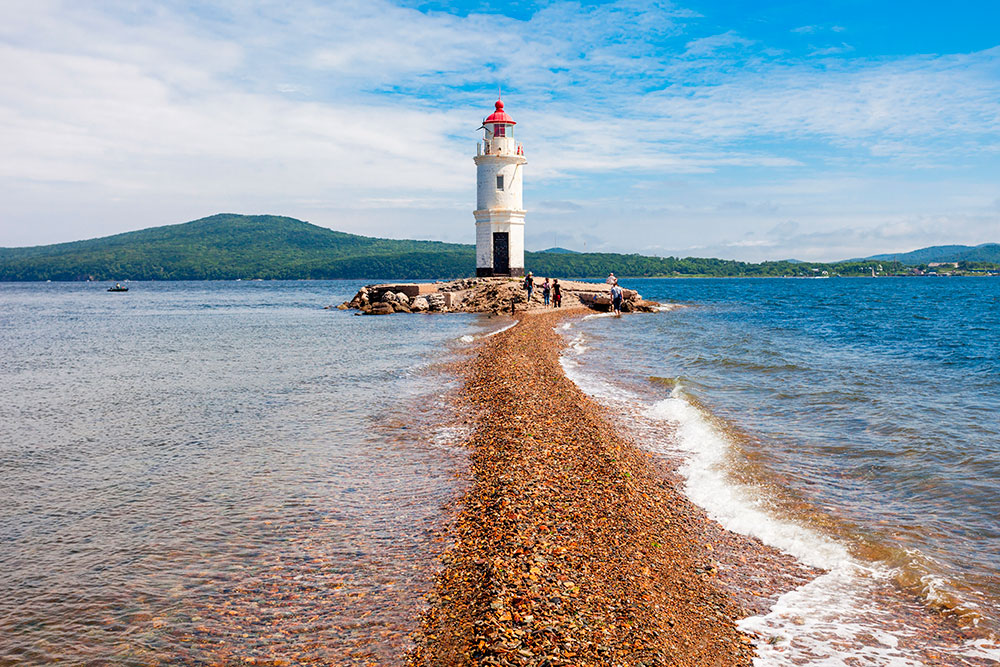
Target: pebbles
x=570 y=548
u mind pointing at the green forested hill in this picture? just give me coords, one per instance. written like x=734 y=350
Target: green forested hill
x=226 y=247
x=986 y=252
x=229 y=246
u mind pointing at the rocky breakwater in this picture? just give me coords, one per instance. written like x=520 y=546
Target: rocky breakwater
x=484 y=295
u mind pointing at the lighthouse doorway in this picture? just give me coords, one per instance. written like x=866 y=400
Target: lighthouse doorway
x=501 y=254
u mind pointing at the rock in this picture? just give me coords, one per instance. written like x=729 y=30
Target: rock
x=643 y=306
x=486 y=295
x=401 y=307
x=436 y=301
x=342 y=306
x=380 y=308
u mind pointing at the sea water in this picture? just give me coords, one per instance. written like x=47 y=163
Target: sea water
x=852 y=423
x=199 y=472
x=210 y=472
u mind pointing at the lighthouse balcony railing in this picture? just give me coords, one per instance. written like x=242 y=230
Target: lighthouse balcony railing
x=486 y=148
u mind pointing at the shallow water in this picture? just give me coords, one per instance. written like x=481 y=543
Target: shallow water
x=197 y=472
x=854 y=423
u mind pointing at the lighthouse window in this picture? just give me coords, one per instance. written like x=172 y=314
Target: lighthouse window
x=499 y=130
x=500 y=182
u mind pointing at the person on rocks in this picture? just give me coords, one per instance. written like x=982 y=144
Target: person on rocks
x=529 y=284
x=546 y=292
x=556 y=293
x=611 y=279
x=616 y=300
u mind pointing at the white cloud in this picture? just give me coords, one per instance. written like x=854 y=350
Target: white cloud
x=362 y=116
x=835 y=50
x=715 y=43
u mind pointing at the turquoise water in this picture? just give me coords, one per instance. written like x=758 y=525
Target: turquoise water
x=201 y=473
x=862 y=413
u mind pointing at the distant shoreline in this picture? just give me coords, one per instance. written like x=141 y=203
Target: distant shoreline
x=595 y=279
x=230 y=247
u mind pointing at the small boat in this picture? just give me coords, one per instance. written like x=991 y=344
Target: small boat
x=117 y=288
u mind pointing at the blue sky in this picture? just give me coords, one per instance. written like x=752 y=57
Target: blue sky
x=731 y=129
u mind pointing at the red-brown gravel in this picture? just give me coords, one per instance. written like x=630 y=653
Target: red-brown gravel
x=570 y=547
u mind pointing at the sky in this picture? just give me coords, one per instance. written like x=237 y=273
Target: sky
x=742 y=130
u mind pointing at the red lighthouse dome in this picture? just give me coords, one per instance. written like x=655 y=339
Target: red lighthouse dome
x=499 y=116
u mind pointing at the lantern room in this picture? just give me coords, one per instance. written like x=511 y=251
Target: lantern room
x=499 y=137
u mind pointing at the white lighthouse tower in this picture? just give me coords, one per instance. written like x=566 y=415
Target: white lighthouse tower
x=499 y=209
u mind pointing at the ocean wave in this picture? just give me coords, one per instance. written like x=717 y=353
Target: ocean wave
x=469 y=338
x=735 y=507
x=823 y=618
x=500 y=330
x=838 y=619
x=667 y=307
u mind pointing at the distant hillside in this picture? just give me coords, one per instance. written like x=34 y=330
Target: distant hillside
x=986 y=252
x=560 y=251
x=229 y=246
x=226 y=247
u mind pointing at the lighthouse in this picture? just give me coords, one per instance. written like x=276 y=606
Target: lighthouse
x=499 y=209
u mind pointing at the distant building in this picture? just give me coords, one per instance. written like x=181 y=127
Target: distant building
x=953 y=265
x=499 y=209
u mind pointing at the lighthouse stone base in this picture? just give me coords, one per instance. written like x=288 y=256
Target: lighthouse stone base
x=488 y=273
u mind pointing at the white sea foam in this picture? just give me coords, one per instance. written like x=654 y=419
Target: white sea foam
x=450 y=436
x=578 y=344
x=596 y=315
x=734 y=506
x=981 y=648
x=500 y=330
x=468 y=338
x=817 y=621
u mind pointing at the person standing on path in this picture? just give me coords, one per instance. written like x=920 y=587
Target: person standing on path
x=529 y=284
x=616 y=300
x=546 y=291
x=556 y=293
